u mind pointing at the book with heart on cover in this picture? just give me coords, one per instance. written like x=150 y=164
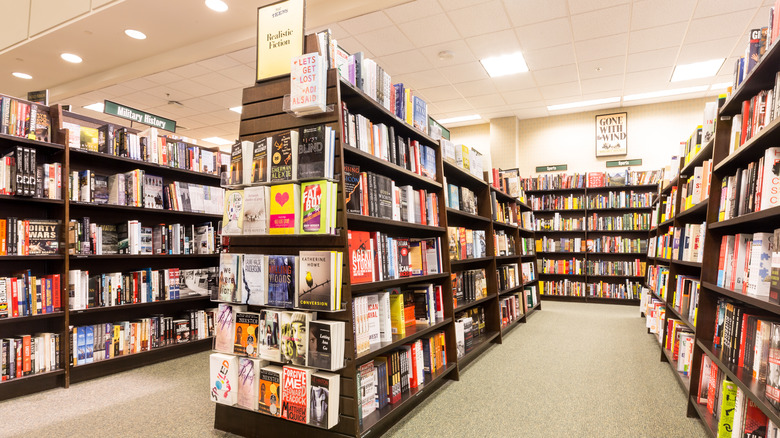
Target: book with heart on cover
x=285 y=209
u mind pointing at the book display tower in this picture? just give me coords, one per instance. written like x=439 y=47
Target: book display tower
x=70 y=311
x=591 y=241
x=396 y=258
x=724 y=344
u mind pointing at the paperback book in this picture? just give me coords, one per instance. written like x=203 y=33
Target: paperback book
x=282 y=282
x=270 y=390
x=256 y=207
x=223 y=378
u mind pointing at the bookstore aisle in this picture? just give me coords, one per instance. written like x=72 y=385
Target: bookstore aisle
x=574 y=370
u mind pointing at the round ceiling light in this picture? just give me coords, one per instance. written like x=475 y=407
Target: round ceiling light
x=71 y=58
x=217 y=5
x=21 y=75
x=136 y=34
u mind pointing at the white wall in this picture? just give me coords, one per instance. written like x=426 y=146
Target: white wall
x=654 y=135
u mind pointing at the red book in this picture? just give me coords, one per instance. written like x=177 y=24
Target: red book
x=745 y=121
x=295 y=391
x=742 y=337
x=57 y=292
x=755 y=420
x=413 y=372
x=711 y=388
x=27 y=363
x=14 y=298
x=361 y=257
x=19 y=358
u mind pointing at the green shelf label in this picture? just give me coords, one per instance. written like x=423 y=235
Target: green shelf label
x=554 y=168
x=125 y=112
x=623 y=163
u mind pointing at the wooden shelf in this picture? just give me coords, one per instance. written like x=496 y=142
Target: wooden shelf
x=710 y=424
x=686 y=263
x=502 y=196
x=123 y=307
x=704 y=154
x=456 y=175
x=101 y=159
x=545 y=191
x=667 y=189
x=666 y=223
x=391 y=224
x=287 y=240
x=758 y=302
x=560 y=253
x=32 y=257
x=600 y=210
x=379 y=285
x=31 y=384
x=523 y=206
x=624 y=187
x=508 y=257
x=505 y=225
x=611 y=300
x=23 y=319
x=561 y=210
x=465 y=215
x=684 y=381
x=505 y=329
x=464 y=306
x=512 y=289
x=470 y=261
x=479 y=347
x=561 y=231
x=31 y=200
x=6 y=138
x=764 y=220
x=618 y=231
x=412 y=333
x=761 y=78
x=561 y=275
x=752 y=150
x=533 y=309
x=526 y=230
x=76 y=257
x=680 y=316
x=697 y=211
x=399 y=174
x=142 y=210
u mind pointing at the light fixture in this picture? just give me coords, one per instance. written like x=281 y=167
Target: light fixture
x=704 y=69
x=137 y=34
x=720 y=86
x=71 y=58
x=236 y=109
x=445 y=55
x=459 y=119
x=217 y=5
x=583 y=103
x=21 y=75
x=664 y=93
x=95 y=107
x=505 y=64
x=217 y=141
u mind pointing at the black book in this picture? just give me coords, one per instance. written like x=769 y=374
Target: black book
x=372 y=194
x=106 y=139
x=93 y=292
x=21 y=174
x=44 y=236
x=380 y=89
x=385 y=197
x=184 y=189
x=392 y=146
x=353 y=188
x=320 y=345
x=110 y=243
x=39 y=181
x=401 y=152
x=344 y=125
x=311 y=152
x=121 y=142
x=100 y=189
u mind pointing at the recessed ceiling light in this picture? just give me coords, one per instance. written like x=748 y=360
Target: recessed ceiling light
x=445 y=55
x=236 y=109
x=71 y=58
x=459 y=119
x=21 y=75
x=137 y=34
x=95 y=107
x=505 y=64
x=704 y=69
x=583 y=103
x=664 y=93
x=720 y=86
x=217 y=5
x=217 y=141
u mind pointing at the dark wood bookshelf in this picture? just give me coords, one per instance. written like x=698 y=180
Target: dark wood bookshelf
x=23 y=319
x=390 y=224
x=704 y=154
x=708 y=420
x=412 y=333
x=616 y=209
x=752 y=150
x=618 y=231
x=124 y=307
x=561 y=210
x=469 y=304
x=399 y=174
x=459 y=176
x=379 y=285
x=684 y=381
x=764 y=220
x=501 y=195
x=142 y=210
x=30 y=200
x=757 y=302
x=31 y=384
x=471 y=261
x=479 y=347
x=666 y=223
x=698 y=211
x=667 y=189
x=678 y=315
x=504 y=225
x=7 y=138
x=561 y=231
x=686 y=263
x=560 y=190
x=762 y=77
x=561 y=253
x=467 y=216
x=32 y=257
x=76 y=257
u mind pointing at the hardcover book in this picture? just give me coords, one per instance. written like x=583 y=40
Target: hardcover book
x=284 y=156
x=223 y=378
x=233 y=215
x=312 y=153
x=316 y=207
x=321 y=338
x=224 y=327
x=255 y=279
x=295 y=393
x=229 y=277
x=249 y=382
x=43 y=236
x=153 y=196
x=295 y=339
x=260 y=163
x=773 y=368
x=270 y=390
x=256 y=208
x=361 y=256
x=236 y=176
x=353 y=188
x=285 y=209
x=317 y=280
x=246 y=334
x=324 y=400
x=308 y=83
x=270 y=327
x=282 y=284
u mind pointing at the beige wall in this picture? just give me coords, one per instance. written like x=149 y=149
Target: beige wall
x=654 y=134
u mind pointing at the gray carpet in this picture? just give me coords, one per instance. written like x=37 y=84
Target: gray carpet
x=574 y=370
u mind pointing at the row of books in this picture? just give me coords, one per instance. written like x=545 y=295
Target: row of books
x=621 y=199
x=690 y=148
x=27 y=355
x=461 y=198
x=504 y=212
x=376 y=256
x=133 y=238
x=508 y=276
x=760 y=41
x=464 y=157
x=686 y=297
x=632 y=268
x=625 y=222
x=291 y=392
x=468 y=286
x=511 y=308
x=757 y=112
x=680 y=342
x=21 y=118
x=24 y=237
x=557 y=202
x=300 y=154
x=465 y=243
x=681 y=243
x=21 y=175
x=697 y=187
x=375 y=195
x=25 y=294
x=556 y=181
x=308 y=208
x=134 y=287
x=746 y=263
x=298 y=338
x=98 y=342
x=503 y=243
x=560 y=223
x=753 y=188
x=381 y=141
x=743 y=338
x=611 y=244
x=561 y=266
x=147 y=145
x=384 y=380
x=655 y=316
x=658 y=279
x=508 y=181
x=470 y=327
x=628 y=290
x=668 y=206
x=310 y=280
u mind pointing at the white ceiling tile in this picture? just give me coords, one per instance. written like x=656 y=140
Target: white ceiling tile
x=497 y=114
x=336 y=31
x=464 y=72
x=550 y=57
x=436 y=94
x=606 y=83
x=163 y=77
x=651 y=60
x=514 y=82
x=219 y=63
x=479 y=19
x=148 y=100
x=457 y=4
x=761 y=18
x=569 y=89
x=606 y=47
x=248 y=55
x=542 y=35
x=410 y=11
x=600 y=23
x=117 y=90
x=174 y=111
x=424 y=79
x=706 y=8
x=352 y=45
x=523 y=12
x=226 y=99
x=139 y=84
x=488 y=100
x=705 y=51
x=556 y=75
x=404 y=62
x=365 y=23
x=719 y=26
x=670 y=35
x=476 y=88
x=532 y=113
x=653 y=13
x=579 y=6
x=200 y=105
x=449 y=106
x=167 y=92
x=190 y=70
x=494 y=44
x=523 y=96
x=430 y=30
x=191 y=88
x=185 y=125
x=602 y=67
x=385 y=41
x=217 y=81
x=648 y=80
x=241 y=74
x=460 y=51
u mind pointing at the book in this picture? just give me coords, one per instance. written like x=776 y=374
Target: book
x=773 y=368
x=246 y=334
x=318 y=202
x=284 y=157
x=314 y=153
x=43 y=236
x=229 y=277
x=294 y=340
x=249 y=382
x=361 y=256
x=295 y=393
x=282 y=281
x=254 y=279
x=233 y=214
x=256 y=206
x=326 y=345
x=284 y=211
x=318 y=280
x=223 y=378
x=269 y=335
x=324 y=399
x=353 y=188
x=260 y=163
x=308 y=83
x=270 y=390
x=224 y=327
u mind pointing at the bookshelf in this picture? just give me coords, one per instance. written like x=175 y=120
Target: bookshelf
x=589 y=203
x=263 y=116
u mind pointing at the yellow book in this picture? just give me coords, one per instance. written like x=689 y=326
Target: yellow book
x=466 y=163
x=409 y=108
x=285 y=209
x=397 y=323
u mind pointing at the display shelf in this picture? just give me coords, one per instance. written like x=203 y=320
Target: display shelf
x=103 y=160
x=697 y=211
x=561 y=231
x=467 y=305
x=505 y=329
x=684 y=381
x=560 y=253
x=657 y=297
x=522 y=205
x=752 y=150
x=465 y=215
x=502 y=195
x=412 y=333
x=679 y=315
x=618 y=231
x=124 y=307
x=666 y=223
x=458 y=176
x=759 y=302
x=764 y=220
x=374 y=286
x=32 y=257
x=505 y=225
x=544 y=191
x=31 y=384
x=608 y=253
x=479 y=347
x=624 y=187
x=142 y=210
x=454 y=263
x=686 y=263
x=762 y=77
x=615 y=276
x=524 y=256
x=612 y=300
x=508 y=257
x=560 y=275
x=616 y=209
x=526 y=230
x=75 y=257
x=389 y=224
x=561 y=210
x=23 y=319
x=31 y=200
x=399 y=174
x=667 y=189
x=512 y=290
x=708 y=420
x=285 y=240
x=7 y=138
x=572 y=298
x=533 y=309
x=704 y=154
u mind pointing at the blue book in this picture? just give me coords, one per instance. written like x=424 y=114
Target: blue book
x=81 y=353
x=454 y=197
x=400 y=101
x=281 y=280
x=89 y=344
x=420 y=114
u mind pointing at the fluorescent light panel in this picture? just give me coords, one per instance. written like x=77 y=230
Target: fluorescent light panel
x=720 y=86
x=236 y=109
x=217 y=141
x=583 y=103
x=217 y=5
x=136 y=34
x=21 y=75
x=459 y=119
x=664 y=93
x=95 y=107
x=505 y=64
x=696 y=70
x=71 y=58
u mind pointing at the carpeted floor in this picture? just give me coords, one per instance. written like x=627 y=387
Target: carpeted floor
x=575 y=370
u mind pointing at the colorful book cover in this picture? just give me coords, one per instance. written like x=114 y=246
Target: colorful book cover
x=295 y=341
x=43 y=236
x=270 y=330
x=246 y=334
x=312 y=153
x=324 y=400
x=224 y=328
x=256 y=207
x=353 y=188
x=295 y=394
x=236 y=175
x=233 y=215
x=316 y=284
x=315 y=207
x=229 y=276
x=260 y=161
x=223 y=378
x=320 y=345
x=248 y=383
x=285 y=209
x=270 y=389
x=281 y=280
x=284 y=156
x=254 y=279
x=361 y=257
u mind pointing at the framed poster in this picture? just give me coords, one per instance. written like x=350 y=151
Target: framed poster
x=611 y=134
x=280 y=36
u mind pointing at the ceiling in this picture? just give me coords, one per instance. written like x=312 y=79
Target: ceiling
x=575 y=50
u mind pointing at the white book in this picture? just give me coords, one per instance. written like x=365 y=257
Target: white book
x=385 y=328
x=770 y=179
x=256 y=207
x=374 y=331
x=223 y=378
x=254 y=285
x=249 y=382
x=308 y=83
x=760 y=265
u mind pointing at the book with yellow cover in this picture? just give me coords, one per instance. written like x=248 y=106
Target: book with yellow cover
x=397 y=321
x=246 y=334
x=317 y=202
x=285 y=209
